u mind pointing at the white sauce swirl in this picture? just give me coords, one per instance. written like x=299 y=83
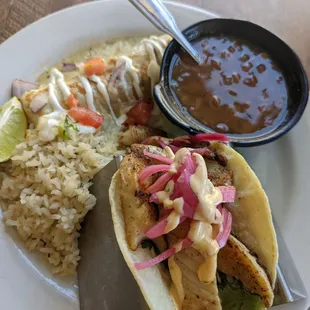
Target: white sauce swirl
x=103 y=90
x=132 y=71
x=89 y=93
x=60 y=80
x=52 y=95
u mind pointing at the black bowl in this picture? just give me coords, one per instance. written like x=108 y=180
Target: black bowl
x=279 y=51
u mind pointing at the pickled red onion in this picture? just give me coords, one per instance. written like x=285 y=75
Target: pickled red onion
x=154 y=198
x=148 y=140
x=159 y=228
x=203 y=151
x=185 y=243
x=179 y=141
x=160 y=183
x=161 y=143
x=183 y=189
x=163 y=159
x=156 y=260
x=148 y=171
x=228 y=193
x=205 y=137
x=187 y=164
x=201 y=137
x=223 y=235
x=173 y=148
x=157 y=141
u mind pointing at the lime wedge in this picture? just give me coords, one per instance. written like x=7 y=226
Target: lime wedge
x=13 y=125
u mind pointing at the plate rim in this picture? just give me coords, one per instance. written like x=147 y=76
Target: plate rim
x=95 y=3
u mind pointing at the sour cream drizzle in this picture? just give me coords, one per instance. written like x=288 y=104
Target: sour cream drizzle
x=52 y=94
x=48 y=124
x=89 y=93
x=156 y=47
x=159 y=40
x=60 y=80
x=103 y=90
x=85 y=129
x=132 y=71
x=150 y=51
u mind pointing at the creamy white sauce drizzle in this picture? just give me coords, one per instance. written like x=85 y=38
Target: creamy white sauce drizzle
x=160 y=40
x=103 y=90
x=169 y=152
x=89 y=93
x=52 y=95
x=177 y=289
x=48 y=125
x=60 y=80
x=156 y=47
x=129 y=68
x=122 y=119
x=150 y=51
x=209 y=196
x=179 y=159
x=85 y=129
x=174 y=217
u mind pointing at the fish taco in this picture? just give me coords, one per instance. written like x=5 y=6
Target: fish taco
x=194 y=225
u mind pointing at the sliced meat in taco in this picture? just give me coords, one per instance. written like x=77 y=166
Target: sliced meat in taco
x=190 y=200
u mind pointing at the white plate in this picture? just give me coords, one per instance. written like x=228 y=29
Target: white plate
x=282 y=166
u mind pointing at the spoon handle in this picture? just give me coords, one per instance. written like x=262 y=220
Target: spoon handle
x=161 y=18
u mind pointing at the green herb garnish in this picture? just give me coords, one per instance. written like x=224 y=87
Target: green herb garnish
x=65 y=127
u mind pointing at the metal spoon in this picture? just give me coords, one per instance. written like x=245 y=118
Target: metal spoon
x=161 y=18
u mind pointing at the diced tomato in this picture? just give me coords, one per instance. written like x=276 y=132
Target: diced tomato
x=129 y=121
x=94 y=66
x=139 y=114
x=86 y=117
x=72 y=101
